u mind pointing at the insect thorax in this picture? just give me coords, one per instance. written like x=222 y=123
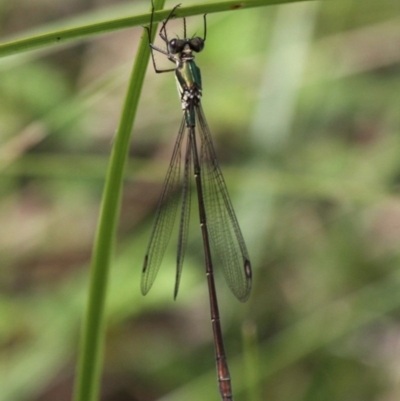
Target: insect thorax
x=188 y=81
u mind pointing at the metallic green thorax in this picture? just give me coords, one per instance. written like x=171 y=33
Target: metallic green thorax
x=188 y=79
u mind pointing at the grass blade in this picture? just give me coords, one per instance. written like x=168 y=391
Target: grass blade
x=92 y=339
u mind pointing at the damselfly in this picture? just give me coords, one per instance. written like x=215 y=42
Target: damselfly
x=220 y=230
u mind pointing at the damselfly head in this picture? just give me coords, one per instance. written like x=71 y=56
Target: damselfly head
x=176 y=46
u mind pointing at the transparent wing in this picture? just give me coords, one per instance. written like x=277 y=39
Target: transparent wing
x=227 y=242
x=165 y=217
x=185 y=214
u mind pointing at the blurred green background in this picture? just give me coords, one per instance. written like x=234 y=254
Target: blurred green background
x=303 y=103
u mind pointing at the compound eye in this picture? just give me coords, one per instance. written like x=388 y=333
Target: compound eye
x=175 y=46
x=196 y=44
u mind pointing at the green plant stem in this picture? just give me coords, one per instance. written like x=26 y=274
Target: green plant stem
x=91 y=351
x=84 y=31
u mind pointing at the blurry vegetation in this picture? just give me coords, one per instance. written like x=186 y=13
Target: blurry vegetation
x=303 y=102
